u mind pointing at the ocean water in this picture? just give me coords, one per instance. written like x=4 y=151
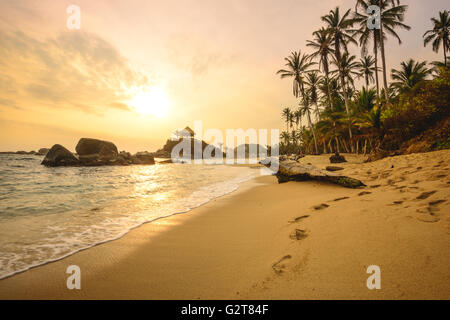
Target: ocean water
x=49 y=213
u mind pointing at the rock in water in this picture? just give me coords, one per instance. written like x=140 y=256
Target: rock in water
x=144 y=158
x=59 y=156
x=337 y=158
x=294 y=171
x=95 y=152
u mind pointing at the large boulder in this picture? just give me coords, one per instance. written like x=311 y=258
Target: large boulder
x=143 y=158
x=88 y=146
x=94 y=152
x=59 y=156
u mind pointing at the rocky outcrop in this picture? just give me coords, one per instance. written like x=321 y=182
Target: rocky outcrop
x=294 y=171
x=94 y=152
x=337 y=158
x=59 y=156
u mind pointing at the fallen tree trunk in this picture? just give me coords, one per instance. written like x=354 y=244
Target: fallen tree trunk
x=295 y=171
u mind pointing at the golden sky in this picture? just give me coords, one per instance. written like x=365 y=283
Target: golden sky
x=209 y=60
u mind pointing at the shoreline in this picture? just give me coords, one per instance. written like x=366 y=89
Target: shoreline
x=244 y=244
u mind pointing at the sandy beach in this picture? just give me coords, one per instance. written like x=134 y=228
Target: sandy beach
x=245 y=245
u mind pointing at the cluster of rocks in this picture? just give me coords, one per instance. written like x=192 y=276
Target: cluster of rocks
x=94 y=152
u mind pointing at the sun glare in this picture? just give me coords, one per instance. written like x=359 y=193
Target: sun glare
x=151 y=102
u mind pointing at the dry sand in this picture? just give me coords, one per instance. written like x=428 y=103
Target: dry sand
x=245 y=245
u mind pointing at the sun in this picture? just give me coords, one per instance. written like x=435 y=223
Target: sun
x=151 y=102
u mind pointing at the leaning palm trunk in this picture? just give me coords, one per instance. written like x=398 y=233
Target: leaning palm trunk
x=383 y=59
x=375 y=51
x=327 y=77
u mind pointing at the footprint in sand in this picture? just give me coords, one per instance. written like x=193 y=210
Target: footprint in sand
x=278 y=266
x=425 y=195
x=298 y=219
x=340 y=199
x=436 y=202
x=299 y=234
x=427 y=214
x=321 y=206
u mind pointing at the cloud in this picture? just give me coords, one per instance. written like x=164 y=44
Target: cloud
x=75 y=70
x=194 y=55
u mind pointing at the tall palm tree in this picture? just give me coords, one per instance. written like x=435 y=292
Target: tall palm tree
x=286 y=115
x=297 y=64
x=410 y=74
x=439 y=34
x=392 y=17
x=367 y=69
x=322 y=45
x=339 y=29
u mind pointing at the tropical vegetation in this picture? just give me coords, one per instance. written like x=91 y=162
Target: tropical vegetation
x=346 y=106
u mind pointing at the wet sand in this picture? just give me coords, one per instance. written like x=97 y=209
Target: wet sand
x=299 y=240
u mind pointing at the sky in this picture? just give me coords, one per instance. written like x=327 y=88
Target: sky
x=136 y=70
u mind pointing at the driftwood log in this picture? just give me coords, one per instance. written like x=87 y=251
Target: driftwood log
x=294 y=171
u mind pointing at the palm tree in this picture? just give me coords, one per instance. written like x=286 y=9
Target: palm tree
x=439 y=34
x=349 y=68
x=410 y=74
x=392 y=17
x=370 y=121
x=312 y=81
x=294 y=136
x=365 y=100
x=285 y=136
x=286 y=115
x=366 y=67
x=296 y=64
x=291 y=120
x=322 y=45
x=298 y=118
x=339 y=29
x=306 y=109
